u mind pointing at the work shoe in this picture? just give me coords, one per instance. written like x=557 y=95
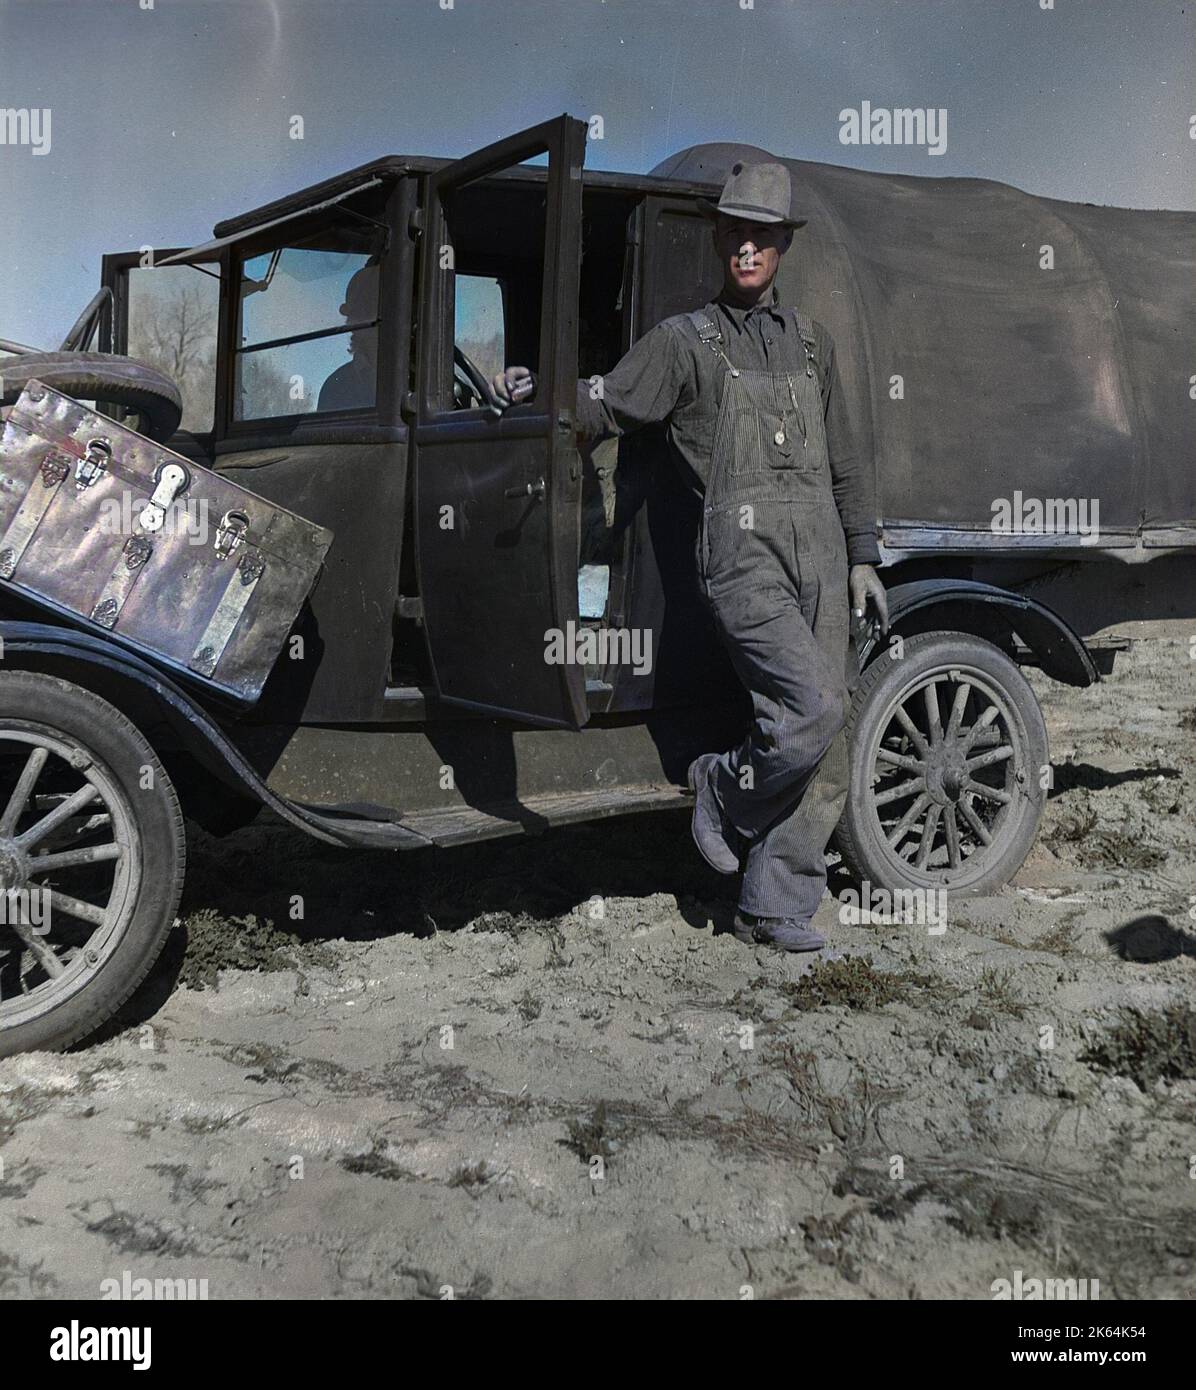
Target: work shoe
x=783 y=933
x=712 y=835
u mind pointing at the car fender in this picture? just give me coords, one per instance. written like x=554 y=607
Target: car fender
x=975 y=607
x=112 y=671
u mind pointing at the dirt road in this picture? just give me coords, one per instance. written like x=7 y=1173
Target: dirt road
x=532 y=1069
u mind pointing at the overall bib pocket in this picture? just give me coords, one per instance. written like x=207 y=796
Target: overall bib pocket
x=781 y=440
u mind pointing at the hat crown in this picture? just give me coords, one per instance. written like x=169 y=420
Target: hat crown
x=758 y=192
x=761 y=192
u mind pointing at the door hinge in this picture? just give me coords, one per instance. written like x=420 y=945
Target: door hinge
x=412 y=608
x=415 y=223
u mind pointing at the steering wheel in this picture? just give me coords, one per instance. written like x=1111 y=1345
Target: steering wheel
x=475 y=382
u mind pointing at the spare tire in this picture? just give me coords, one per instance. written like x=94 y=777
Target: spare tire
x=101 y=377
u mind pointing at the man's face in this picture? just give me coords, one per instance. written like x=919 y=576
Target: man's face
x=750 y=253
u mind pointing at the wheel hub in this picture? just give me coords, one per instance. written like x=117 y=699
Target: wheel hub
x=946 y=773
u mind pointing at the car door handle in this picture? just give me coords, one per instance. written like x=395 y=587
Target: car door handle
x=535 y=489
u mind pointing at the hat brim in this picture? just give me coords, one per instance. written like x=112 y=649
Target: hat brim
x=713 y=211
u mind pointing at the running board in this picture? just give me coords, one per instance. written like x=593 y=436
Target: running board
x=376 y=827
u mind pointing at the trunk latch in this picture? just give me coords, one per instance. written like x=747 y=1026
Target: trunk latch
x=231 y=533
x=94 y=463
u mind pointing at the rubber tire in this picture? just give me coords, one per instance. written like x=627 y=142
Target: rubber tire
x=123 y=751
x=857 y=837
x=100 y=376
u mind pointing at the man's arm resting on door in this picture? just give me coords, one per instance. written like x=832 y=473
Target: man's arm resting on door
x=643 y=388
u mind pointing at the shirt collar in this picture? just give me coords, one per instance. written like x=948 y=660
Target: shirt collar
x=739 y=316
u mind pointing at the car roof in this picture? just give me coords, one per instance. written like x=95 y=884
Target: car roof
x=395 y=166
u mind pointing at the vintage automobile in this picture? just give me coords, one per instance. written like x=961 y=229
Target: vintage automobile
x=331 y=352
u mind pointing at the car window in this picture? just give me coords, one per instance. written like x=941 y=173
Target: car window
x=308 y=328
x=494 y=261
x=172 y=319
x=480 y=330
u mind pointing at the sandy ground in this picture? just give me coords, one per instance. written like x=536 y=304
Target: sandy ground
x=535 y=1069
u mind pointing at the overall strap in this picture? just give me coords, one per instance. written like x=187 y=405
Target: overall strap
x=710 y=334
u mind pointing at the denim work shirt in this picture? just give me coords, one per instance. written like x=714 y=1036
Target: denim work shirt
x=670 y=376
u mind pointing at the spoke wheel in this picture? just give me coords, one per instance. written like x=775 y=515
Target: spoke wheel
x=69 y=870
x=91 y=860
x=948 y=749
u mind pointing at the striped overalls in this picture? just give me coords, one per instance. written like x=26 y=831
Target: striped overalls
x=772 y=560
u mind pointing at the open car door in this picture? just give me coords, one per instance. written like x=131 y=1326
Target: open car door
x=497 y=500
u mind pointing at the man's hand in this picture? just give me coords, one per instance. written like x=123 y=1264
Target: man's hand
x=512 y=386
x=866 y=588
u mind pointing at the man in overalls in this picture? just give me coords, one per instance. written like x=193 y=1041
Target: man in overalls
x=756 y=419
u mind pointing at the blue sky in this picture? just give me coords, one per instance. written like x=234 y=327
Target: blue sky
x=165 y=120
